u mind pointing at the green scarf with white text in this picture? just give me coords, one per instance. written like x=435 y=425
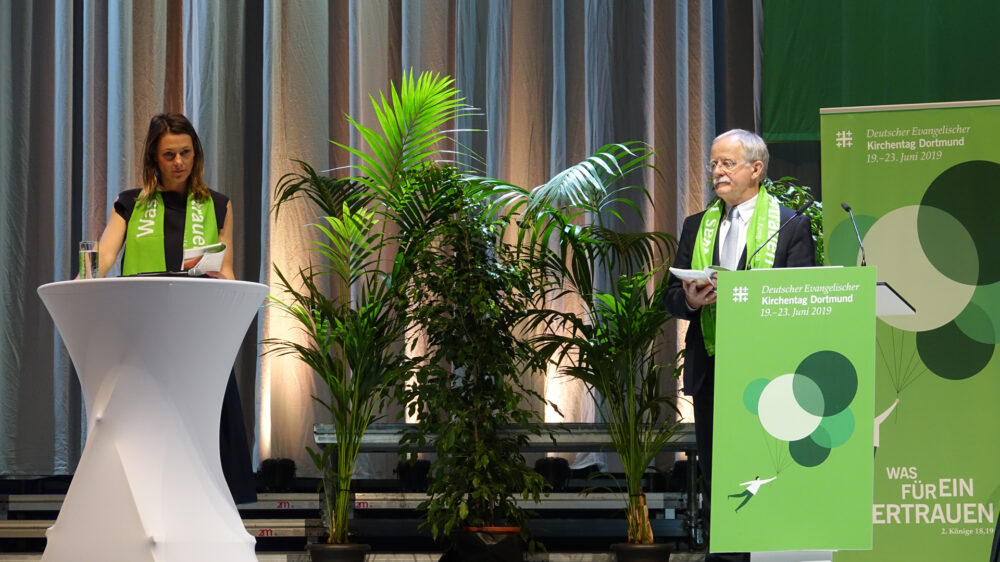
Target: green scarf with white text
x=764 y=222
x=144 y=238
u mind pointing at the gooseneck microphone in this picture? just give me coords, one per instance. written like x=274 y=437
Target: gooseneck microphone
x=798 y=213
x=856 y=231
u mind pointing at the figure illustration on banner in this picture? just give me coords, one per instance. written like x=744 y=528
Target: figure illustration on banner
x=881 y=418
x=752 y=487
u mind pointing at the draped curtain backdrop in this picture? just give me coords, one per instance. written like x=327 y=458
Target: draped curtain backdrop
x=265 y=81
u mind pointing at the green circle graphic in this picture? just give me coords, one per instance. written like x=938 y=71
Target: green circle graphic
x=835 y=430
x=977 y=320
x=950 y=354
x=834 y=375
x=807 y=452
x=948 y=245
x=976 y=324
x=842 y=244
x=808 y=394
x=751 y=395
x=965 y=192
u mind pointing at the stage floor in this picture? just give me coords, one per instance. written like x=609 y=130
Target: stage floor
x=553 y=557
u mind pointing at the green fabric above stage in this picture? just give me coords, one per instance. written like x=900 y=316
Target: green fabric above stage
x=840 y=53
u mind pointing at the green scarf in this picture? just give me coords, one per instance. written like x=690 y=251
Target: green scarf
x=144 y=239
x=764 y=223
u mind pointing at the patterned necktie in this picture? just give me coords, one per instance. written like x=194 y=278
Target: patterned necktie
x=731 y=251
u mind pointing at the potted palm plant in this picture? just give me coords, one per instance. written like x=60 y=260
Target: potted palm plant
x=467 y=291
x=461 y=293
x=612 y=346
x=351 y=342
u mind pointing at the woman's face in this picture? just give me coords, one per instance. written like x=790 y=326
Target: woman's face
x=175 y=159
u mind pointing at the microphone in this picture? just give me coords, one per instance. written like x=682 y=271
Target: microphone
x=856 y=231
x=798 y=213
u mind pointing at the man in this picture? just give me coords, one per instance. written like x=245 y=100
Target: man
x=731 y=229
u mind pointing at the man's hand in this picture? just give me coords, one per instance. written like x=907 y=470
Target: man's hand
x=698 y=296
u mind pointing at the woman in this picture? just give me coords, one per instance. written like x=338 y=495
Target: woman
x=175 y=210
x=172 y=167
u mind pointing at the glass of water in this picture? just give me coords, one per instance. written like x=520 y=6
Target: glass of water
x=88 y=259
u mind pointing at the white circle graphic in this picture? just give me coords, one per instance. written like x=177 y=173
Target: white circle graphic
x=780 y=412
x=894 y=248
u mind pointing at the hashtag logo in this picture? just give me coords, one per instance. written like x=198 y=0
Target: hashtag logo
x=845 y=139
x=741 y=294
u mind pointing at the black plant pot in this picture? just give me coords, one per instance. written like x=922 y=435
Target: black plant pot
x=322 y=552
x=413 y=475
x=276 y=475
x=486 y=544
x=625 y=552
x=555 y=470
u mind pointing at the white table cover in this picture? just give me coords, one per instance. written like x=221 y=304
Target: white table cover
x=153 y=356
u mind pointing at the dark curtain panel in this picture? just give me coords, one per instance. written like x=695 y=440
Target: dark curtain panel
x=842 y=53
x=735 y=46
x=738 y=64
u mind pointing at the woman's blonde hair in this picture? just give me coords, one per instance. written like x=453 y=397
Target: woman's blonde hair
x=175 y=124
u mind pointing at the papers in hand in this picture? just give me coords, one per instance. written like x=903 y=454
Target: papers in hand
x=203 y=259
x=700 y=277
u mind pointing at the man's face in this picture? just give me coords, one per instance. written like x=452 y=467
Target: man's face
x=742 y=182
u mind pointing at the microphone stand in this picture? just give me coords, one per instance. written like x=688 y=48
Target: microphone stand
x=856 y=231
x=798 y=213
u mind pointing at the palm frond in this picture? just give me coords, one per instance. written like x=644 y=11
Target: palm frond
x=328 y=194
x=410 y=130
x=587 y=185
x=350 y=246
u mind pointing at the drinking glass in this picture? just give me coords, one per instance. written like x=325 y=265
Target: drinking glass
x=88 y=259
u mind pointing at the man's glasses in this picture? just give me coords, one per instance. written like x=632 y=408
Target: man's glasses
x=726 y=165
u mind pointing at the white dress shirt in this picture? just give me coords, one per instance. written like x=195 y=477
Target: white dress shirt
x=743 y=223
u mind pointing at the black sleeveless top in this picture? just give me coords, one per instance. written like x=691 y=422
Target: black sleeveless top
x=173 y=220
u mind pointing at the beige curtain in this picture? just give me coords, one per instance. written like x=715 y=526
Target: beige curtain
x=270 y=80
x=555 y=80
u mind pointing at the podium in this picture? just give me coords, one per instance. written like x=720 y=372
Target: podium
x=153 y=357
x=794 y=408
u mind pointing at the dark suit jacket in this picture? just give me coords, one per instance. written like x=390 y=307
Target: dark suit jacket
x=795 y=249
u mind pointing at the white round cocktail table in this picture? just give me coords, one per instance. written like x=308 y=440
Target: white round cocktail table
x=153 y=356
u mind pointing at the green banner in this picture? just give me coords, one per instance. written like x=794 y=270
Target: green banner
x=924 y=184
x=792 y=441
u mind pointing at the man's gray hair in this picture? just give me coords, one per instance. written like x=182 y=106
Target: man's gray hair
x=754 y=147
